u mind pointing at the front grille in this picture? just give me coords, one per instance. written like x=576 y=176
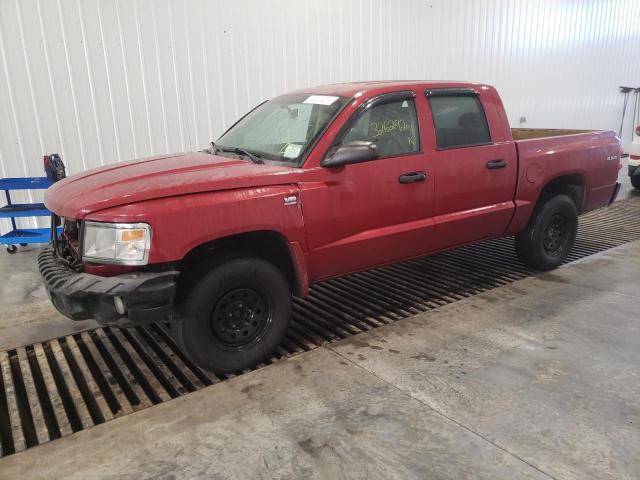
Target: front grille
x=71 y=229
x=71 y=234
x=67 y=244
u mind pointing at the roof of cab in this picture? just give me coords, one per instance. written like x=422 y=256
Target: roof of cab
x=351 y=89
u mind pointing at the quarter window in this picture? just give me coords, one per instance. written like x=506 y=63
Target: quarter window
x=459 y=121
x=392 y=126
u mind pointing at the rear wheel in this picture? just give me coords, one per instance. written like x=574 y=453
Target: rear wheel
x=546 y=241
x=635 y=181
x=235 y=315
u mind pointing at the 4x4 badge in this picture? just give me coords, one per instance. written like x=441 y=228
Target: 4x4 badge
x=292 y=200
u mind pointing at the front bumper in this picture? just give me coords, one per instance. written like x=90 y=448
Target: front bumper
x=148 y=296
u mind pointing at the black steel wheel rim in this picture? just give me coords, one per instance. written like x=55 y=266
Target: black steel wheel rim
x=240 y=317
x=555 y=233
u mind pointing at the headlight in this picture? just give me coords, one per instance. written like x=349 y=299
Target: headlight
x=120 y=243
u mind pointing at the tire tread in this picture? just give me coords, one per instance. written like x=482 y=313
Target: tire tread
x=190 y=323
x=528 y=242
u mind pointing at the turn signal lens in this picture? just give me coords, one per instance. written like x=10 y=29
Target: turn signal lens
x=133 y=235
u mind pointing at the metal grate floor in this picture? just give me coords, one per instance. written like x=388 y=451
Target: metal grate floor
x=64 y=385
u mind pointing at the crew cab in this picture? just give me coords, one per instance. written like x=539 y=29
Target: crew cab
x=308 y=186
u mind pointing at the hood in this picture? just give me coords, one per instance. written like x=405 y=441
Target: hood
x=158 y=177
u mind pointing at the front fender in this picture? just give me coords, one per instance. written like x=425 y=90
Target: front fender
x=181 y=223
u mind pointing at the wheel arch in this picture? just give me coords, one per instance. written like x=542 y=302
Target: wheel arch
x=573 y=185
x=269 y=245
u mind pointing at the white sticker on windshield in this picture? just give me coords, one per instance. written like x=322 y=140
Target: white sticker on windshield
x=292 y=150
x=320 y=99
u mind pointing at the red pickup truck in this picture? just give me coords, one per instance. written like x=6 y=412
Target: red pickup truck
x=307 y=186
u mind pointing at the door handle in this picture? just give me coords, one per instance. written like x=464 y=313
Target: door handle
x=494 y=164
x=412 y=177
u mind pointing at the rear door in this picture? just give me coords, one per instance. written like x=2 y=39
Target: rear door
x=475 y=178
x=365 y=214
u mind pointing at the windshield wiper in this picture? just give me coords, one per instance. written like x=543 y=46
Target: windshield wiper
x=254 y=157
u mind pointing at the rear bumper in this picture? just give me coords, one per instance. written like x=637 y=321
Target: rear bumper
x=147 y=296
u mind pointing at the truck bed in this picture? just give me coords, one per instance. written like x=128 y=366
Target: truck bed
x=529 y=133
x=590 y=158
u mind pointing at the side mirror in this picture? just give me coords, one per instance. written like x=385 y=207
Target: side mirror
x=353 y=152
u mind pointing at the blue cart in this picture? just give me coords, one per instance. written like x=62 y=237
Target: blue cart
x=15 y=210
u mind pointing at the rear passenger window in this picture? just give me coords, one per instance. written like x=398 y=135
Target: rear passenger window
x=459 y=121
x=392 y=126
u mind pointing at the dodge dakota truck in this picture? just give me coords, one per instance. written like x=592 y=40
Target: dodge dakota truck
x=308 y=186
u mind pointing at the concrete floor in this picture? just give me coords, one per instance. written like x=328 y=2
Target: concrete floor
x=27 y=314
x=538 y=379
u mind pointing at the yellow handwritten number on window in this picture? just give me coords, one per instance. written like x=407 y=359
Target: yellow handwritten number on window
x=388 y=126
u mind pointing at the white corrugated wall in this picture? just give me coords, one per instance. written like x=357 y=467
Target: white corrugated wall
x=106 y=81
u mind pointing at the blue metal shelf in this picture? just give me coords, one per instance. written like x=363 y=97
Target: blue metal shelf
x=24 y=210
x=30 y=235
x=12 y=211
x=25 y=183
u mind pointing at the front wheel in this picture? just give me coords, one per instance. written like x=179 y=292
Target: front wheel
x=235 y=316
x=546 y=241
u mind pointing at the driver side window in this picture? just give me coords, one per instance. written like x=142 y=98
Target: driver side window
x=392 y=126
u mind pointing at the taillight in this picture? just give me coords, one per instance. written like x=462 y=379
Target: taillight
x=638 y=130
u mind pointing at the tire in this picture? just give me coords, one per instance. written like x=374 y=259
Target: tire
x=635 y=181
x=235 y=315
x=551 y=232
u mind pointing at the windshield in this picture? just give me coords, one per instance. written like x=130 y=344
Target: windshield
x=283 y=128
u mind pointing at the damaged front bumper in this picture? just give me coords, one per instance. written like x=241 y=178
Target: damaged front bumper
x=144 y=297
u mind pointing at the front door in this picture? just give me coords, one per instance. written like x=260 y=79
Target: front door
x=370 y=213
